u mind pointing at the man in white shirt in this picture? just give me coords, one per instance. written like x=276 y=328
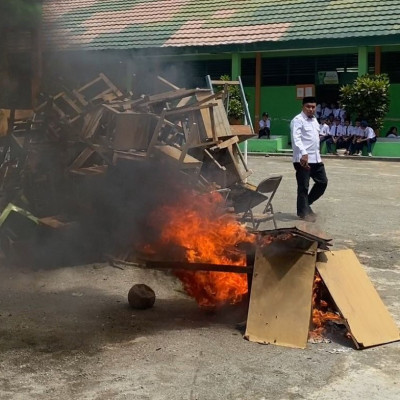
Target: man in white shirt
x=307 y=161
x=368 y=139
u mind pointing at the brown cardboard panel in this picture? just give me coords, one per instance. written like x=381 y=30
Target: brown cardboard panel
x=281 y=293
x=368 y=320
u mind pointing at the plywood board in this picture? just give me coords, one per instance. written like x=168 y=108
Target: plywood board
x=281 y=293
x=222 y=127
x=368 y=320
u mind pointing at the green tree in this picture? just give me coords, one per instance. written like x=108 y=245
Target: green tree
x=19 y=14
x=235 y=106
x=367 y=98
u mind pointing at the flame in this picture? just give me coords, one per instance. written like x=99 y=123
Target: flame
x=320 y=310
x=199 y=224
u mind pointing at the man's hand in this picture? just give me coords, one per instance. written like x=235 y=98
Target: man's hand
x=304 y=161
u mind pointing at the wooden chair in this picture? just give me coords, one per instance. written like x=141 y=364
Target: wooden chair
x=267 y=188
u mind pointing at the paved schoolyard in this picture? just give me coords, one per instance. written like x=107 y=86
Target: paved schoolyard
x=68 y=333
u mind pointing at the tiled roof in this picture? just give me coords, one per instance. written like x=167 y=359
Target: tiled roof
x=140 y=24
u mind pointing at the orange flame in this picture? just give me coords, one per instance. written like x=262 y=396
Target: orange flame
x=320 y=312
x=208 y=234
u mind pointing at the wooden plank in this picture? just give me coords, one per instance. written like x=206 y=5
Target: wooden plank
x=179 y=265
x=241 y=130
x=174 y=154
x=235 y=164
x=91 y=122
x=218 y=82
x=184 y=110
x=225 y=129
x=156 y=132
x=239 y=152
x=82 y=158
x=171 y=95
x=214 y=160
x=111 y=85
x=168 y=83
x=95 y=170
x=226 y=143
x=281 y=292
x=368 y=320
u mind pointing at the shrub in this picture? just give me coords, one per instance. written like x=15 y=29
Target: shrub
x=235 y=106
x=367 y=98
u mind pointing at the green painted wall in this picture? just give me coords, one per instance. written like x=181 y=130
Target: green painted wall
x=280 y=103
x=393 y=116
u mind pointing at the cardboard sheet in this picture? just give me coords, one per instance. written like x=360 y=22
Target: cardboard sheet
x=368 y=320
x=281 y=293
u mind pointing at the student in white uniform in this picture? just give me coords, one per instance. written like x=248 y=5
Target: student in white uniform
x=307 y=161
x=336 y=132
x=325 y=110
x=264 y=126
x=324 y=133
x=347 y=135
x=339 y=113
x=369 y=137
x=357 y=134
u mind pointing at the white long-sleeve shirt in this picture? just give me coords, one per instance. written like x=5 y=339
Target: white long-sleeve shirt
x=324 y=130
x=368 y=132
x=305 y=138
x=336 y=130
x=265 y=124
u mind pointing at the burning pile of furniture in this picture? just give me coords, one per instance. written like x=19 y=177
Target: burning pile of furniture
x=79 y=134
x=187 y=128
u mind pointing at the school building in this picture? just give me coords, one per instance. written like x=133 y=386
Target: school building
x=280 y=49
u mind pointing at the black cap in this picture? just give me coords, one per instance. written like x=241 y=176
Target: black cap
x=264 y=114
x=364 y=124
x=309 y=99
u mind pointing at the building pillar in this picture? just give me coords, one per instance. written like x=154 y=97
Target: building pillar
x=257 y=100
x=236 y=66
x=362 y=60
x=378 y=57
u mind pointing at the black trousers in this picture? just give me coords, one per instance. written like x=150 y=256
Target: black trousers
x=264 y=132
x=305 y=197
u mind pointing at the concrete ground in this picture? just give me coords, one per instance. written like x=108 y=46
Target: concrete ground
x=68 y=333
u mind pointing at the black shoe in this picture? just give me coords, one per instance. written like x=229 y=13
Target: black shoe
x=310 y=217
x=310 y=211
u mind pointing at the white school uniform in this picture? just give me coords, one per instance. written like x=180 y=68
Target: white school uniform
x=324 y=130
x=348 y=130
x=265 y=124
x=326 y=112
x=336 y=130
x=305 y=138
x=369 y=133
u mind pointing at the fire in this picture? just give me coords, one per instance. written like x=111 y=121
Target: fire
x=320 y=311
x=200 y=225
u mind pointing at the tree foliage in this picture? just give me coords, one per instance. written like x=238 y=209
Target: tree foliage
x=235 y=106
x=367 y=98
x=19 y=14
